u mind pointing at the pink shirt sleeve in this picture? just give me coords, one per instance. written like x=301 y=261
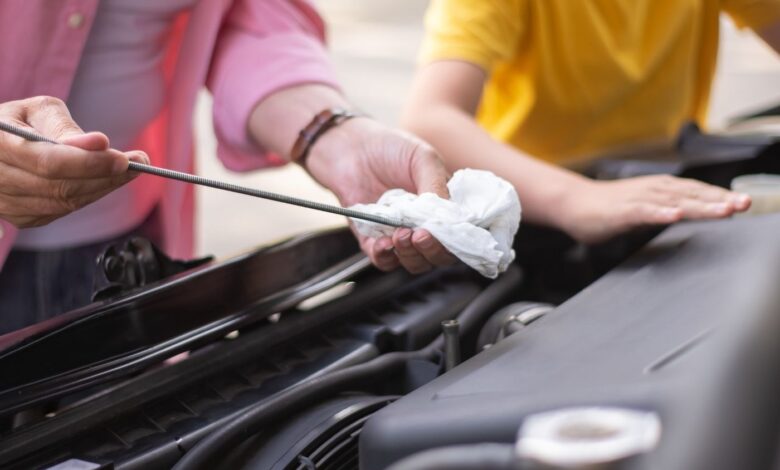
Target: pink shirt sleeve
x=262 y=47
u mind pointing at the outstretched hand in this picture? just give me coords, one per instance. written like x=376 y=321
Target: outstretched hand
x=599 y=210
x=361 y=159
x=40 y=182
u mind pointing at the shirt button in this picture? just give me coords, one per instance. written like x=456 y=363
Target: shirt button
x=75 y=20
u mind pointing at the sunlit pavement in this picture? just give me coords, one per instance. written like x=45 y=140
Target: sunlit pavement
x=374 y=44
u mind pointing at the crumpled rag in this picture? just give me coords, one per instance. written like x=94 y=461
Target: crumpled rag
x=477 y=224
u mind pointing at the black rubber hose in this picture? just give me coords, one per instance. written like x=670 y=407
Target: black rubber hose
x=253 y=419
x=463 y=457
x=205 y=452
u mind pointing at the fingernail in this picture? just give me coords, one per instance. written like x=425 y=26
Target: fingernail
x=720 y=207
x=425 y=242
x=740 y=199
x=405 y=238
x=138 y=157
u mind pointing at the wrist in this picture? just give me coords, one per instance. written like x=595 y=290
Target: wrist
x=330 y=158
x=323 y=122
x=276 y=121
x=569 y=201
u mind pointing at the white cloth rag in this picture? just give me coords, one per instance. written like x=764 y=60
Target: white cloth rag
x=477 y=224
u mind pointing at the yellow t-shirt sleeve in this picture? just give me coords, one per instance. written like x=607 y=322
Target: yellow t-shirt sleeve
x=754 y=14
x=478 y=31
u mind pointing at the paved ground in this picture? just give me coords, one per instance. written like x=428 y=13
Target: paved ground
x=373 y=45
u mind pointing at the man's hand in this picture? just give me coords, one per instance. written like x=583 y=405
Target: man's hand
x=40 y=182
x=361 y=159
x=598 y=210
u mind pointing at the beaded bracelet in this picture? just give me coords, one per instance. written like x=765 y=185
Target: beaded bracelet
x=320 y=124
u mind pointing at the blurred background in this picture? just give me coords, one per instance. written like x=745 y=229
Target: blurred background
x=373 y=44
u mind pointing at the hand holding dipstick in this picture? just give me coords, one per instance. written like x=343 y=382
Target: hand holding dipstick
x=40 y=182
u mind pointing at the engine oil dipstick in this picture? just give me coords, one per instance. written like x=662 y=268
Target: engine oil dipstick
x=211 y=183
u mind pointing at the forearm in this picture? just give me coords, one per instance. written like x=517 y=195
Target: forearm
x=276 y=121
x=444 y=99
x=463 y=144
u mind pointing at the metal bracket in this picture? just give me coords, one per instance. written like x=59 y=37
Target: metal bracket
x=133 y=264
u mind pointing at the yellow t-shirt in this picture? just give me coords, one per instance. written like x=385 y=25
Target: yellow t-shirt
x=569 y=78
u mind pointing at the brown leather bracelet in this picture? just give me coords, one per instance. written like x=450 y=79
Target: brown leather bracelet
x=320 y=124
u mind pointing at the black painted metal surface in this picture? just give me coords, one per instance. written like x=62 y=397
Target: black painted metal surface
x=111 y=339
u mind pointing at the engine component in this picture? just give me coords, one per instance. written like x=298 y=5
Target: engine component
x=586 y=437
x=322 y=437
x=359 y=377
x=138 y=262
x=636 y=338
x=451 y=332
x=509 y=320
x=465 y=457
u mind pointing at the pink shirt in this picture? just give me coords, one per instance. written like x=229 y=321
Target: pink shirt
x=242 y=50
x=118 y=89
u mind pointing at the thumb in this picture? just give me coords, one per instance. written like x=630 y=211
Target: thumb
x=429 y=173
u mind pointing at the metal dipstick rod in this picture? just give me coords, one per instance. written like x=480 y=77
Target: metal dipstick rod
x=199 y=180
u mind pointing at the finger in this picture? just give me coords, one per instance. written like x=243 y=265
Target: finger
x=43 y=208
x=65 y=162
x=408 y=256
x=654 y=214
x=62 y=161
x=644 y=213
x=693 y=209
x=740 y=201
x=379 y=253
x=88 y=141
x=51 y=118
x=695 y=199
x=710 y=193
x=17 y=182
x=383 y=255
x=693 y=189
x=677 y=189
x=428 y=172
x=431 y=249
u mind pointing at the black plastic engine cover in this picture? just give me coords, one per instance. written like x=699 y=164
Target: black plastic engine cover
x=637 y=338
